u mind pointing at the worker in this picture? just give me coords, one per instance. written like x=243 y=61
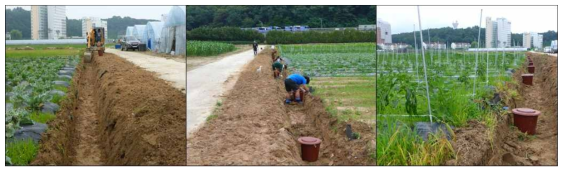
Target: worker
x=294 y=84
x=277 y=59
x=98 y=35
x=277 y=67
x=255 y=47
x=274 y=55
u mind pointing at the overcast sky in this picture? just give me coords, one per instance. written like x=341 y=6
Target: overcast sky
x=523 y=18
x=138 y=12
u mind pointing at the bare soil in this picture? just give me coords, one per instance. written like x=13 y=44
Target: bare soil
x=116 y=113
x=255 y=127
x=509 y=146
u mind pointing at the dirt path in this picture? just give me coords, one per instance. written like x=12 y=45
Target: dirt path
x=208 y=83
x=254 y=127
x=167 y=69
x=116 y=113
x=196 y=62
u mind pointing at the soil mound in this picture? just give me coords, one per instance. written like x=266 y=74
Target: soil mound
x=255 y=127
x=116 y=113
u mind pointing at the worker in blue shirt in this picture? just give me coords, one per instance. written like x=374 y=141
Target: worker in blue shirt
x=293 y=85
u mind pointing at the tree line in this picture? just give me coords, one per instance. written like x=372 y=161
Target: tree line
x=466 y=35
x=314 y=16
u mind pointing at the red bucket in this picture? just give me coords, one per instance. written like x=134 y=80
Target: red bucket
x=526 y=119
x=99 y=52
x=527 y=79
x=309 y=148
x=531 y=69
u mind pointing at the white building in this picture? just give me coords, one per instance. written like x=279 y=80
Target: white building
x=526 y=40
x=90 y=22
x=435 y=45
x=393 y=46
x=457 y=45
x=48 y=22
x=8 y=36
x=504 y=32
x=537 y=40
x=385 y=31
x=498 y=33
x=366 y=27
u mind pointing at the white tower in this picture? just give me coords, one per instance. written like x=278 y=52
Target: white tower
x=455 y=24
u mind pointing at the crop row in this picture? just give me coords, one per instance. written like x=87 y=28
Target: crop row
x=34 y=88
x=208 y=48
x=461 y=85
x=331 y=60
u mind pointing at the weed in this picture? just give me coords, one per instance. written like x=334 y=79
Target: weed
x=41 y=117
x=21 y=152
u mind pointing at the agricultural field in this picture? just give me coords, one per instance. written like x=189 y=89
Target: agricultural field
x=342 y=75
x=34 y=88
x=457 y=93
x=208 y=48
x=330 y=60
x=44 y=50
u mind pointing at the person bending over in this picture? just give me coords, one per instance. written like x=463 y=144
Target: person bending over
x=278 y=68
x=293 y=85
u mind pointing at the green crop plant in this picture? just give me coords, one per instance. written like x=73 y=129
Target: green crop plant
x=29 y=81
x=452 y=77
x=208 y=48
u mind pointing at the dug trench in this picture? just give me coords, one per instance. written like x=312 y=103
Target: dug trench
x=116 y=113
x=253 y=126
x=508 y=146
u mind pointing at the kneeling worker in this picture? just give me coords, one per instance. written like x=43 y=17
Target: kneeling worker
x=294 y=84
x=278 y=68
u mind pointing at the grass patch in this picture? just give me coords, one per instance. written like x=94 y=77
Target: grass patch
x=42 y=53
x=21 y=152
x=355 y=96
x=44 y=46
x=61 y=88
x=41 y=117
x=56 y=98
x=398 y=145
x=216 y=112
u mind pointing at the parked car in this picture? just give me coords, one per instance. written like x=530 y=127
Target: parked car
x=131 y=43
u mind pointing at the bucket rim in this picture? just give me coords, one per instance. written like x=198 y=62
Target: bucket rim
x=307 y=140
x=526 y=112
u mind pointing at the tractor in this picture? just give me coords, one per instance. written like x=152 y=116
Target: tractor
x=95 y=42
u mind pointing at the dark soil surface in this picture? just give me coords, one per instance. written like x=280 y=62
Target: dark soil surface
x=116 y=113
x=255 y=127
x=510 y=146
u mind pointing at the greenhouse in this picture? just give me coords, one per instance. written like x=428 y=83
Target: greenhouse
x=130 y=31
x=173 y=32
x=152 y=35
x=139 y=31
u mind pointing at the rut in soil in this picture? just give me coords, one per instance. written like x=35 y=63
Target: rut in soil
x=88 y=150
